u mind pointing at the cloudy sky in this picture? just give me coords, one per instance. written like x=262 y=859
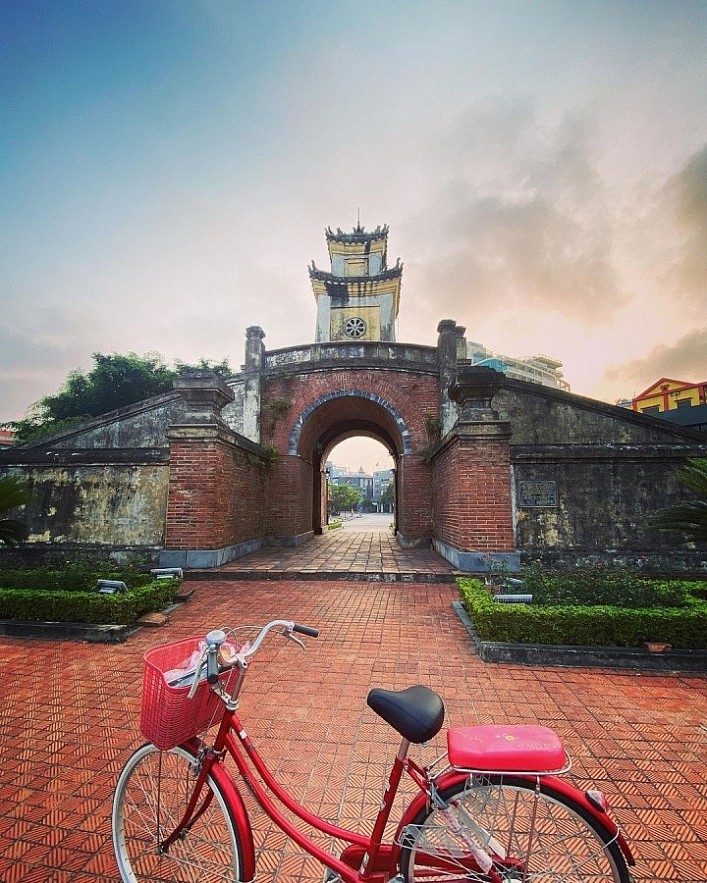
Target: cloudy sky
x=167 y=170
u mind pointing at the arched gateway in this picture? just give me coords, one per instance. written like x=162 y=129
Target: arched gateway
x=307 y=399
x=486 y=467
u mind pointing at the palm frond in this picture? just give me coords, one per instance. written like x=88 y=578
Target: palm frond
x=694 y=475
x=13 y=493
x=12 y=532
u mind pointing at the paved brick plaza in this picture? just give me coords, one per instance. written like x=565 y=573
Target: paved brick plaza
x=70 y=719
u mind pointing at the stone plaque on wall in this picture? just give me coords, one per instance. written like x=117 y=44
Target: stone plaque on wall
x=537 y=493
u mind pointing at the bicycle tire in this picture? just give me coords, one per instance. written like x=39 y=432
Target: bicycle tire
x=152 y=791
x=569 y=845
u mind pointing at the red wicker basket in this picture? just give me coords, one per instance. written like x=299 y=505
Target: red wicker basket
x=167 y=716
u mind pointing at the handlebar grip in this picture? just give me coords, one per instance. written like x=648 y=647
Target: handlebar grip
x=212 y=665
x=306 y=630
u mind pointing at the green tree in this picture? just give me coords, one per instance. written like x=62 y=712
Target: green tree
x=388 y=495
x=114 y=382
x=343 y=496
x=690 y=518
x=13 y=493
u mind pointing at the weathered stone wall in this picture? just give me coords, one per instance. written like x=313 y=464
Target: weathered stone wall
x=118 y=504
x=586 y=475
x=143 y=425
x=543 y=416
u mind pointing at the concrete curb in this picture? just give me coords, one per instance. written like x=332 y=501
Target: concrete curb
x=314 y=575
x=636 y=658
x=86 y=632
x=67 y=631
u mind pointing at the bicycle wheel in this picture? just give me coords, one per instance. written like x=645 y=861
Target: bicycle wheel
x=150 y=799
x=501 y=828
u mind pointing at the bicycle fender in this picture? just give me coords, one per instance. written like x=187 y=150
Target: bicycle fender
x=603 y=819
x=552 y=783
x=240 y=814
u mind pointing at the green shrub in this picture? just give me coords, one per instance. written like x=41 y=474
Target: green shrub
x=603 y=586
x=581 y=625
x=76 y=574
x=123 y=608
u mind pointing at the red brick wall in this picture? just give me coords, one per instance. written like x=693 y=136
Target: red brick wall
x=472 y=495
x=415 y=498
x=290 y=498
x=413 y=396
x=216 y=495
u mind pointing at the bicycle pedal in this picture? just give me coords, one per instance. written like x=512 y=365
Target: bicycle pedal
x=331 y=876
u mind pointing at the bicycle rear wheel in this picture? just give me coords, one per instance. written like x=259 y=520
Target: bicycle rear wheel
x=150 y=799
x=529 y=835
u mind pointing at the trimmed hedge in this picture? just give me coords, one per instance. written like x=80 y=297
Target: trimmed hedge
x=74 y=576
x=604 y=586
x=43 y=605
x=684 y=628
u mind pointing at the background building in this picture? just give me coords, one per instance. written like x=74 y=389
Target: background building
x=536 y=369
x=678 y=401
x=7 y=438
x=372 y=485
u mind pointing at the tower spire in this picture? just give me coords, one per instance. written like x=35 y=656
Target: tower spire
x=360 y=297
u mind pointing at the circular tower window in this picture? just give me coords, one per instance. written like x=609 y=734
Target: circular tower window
x=354 y=327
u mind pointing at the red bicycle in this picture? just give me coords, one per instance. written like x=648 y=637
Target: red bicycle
x=493 y=809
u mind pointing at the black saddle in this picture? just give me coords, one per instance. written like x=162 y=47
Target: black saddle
x=416 y=713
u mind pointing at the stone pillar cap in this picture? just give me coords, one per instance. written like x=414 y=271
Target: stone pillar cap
x=205 y=394
x=480 y=382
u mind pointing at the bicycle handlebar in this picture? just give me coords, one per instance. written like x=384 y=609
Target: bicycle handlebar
x=305 y=630
x=216 y=638
x=287 y=625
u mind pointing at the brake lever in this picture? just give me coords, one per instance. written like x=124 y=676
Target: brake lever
x=197 y=677
x=294 y=638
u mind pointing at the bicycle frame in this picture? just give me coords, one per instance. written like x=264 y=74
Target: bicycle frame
x=365 y=860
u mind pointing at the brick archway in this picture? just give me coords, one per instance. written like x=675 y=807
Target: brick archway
x=325 y=406
x=451 y=450
x=335 y=417
x=405 y=446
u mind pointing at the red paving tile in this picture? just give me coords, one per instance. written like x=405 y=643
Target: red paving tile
x=70 y=720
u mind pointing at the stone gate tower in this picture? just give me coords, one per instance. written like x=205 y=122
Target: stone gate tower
x=359 y=299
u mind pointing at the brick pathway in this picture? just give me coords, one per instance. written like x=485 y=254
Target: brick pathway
x=70 y=719
x=362 y=546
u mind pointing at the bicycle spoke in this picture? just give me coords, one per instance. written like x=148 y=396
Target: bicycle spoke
x=153 y=794
x=496 y=831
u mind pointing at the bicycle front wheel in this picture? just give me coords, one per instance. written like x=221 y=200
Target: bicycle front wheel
x=504 y=829
x=150 y=799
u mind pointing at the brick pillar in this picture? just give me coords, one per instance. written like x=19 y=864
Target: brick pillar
x=473 y=515
x=214 y=491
